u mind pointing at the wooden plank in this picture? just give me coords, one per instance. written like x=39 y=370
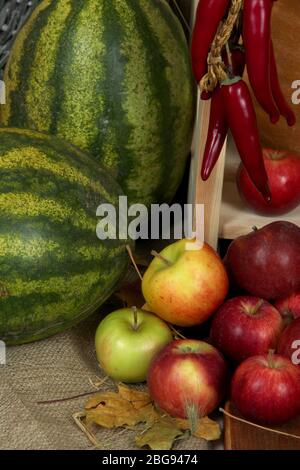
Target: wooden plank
x=208 y=193
x=194 y=4
x=242 y=436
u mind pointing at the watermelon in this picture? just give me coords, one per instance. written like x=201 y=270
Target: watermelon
x=54 y=270
x=113 y=78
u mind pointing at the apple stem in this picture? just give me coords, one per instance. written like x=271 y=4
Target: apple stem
x=159 y=256
x=176 y=333
x=135 y=318
x=254 y=228
x=257 y=306
x=276 y=155
x=271 y=358
x=129 y=251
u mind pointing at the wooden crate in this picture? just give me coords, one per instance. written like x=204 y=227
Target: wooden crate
x=225 y=214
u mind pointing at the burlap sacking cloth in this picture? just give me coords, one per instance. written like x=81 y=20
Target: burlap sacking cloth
x=55 y=368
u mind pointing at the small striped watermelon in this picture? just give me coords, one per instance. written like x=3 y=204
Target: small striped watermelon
x=113 y=77
x=54 y=271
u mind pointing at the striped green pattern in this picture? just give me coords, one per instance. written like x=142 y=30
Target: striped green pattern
x=113 y=77
x=54 y=271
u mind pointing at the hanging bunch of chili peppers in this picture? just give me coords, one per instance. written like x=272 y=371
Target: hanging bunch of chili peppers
x=249 y=45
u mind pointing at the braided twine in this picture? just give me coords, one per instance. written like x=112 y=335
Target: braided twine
x=216 y=68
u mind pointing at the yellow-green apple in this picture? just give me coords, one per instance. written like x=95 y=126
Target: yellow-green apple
x=126 y=342
x=246 y=326
x=185 y=286
x=266 y=389
x=187 y=378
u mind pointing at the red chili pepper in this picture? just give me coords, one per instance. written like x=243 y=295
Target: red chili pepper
x=208 y=17
x=257 y=36
x=280 y=100
x=218 y=126
x=242 y=122
x=217 y=132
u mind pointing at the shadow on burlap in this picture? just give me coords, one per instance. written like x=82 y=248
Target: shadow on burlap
x=56 y=368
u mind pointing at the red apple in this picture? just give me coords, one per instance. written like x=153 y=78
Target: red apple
x=289 y=343
x=266 y=262
x=283 y=169
x=266 y=389
x=289 y=307
x=187 y=376
x=246 y=326
x=185 y=286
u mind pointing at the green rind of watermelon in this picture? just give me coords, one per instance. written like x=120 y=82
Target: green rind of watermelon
x=54 y=271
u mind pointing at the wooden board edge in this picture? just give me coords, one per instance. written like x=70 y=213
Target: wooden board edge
x=227 y=428
x=209 y=192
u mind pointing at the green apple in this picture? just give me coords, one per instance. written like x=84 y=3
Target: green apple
x=126 y=342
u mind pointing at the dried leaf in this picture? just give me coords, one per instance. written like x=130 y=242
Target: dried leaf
x=159 y=436
x=206 y=429
x=136 y=397
x=110 y=410
x=112 y=418
x=149 y=415
x=140 y=401
x=99 y=398
x=127 y=407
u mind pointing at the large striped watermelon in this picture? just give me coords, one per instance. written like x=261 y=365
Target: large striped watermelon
x=113 y=77
x=54 y=270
